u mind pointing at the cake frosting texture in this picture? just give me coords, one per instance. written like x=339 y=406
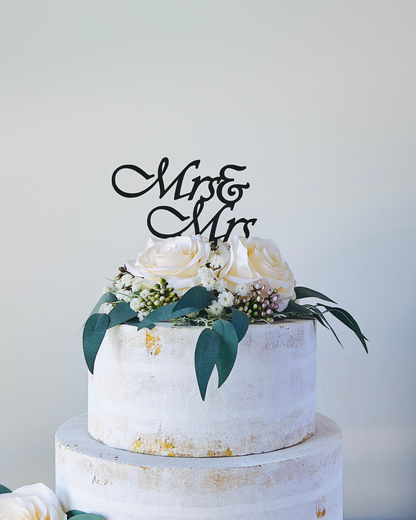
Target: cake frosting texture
x=143 y=394
x=151 y=448
x=299 y=483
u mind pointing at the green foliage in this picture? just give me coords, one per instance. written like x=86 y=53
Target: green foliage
x=92 y=337
x=217 y=345
x=304 y=292
x=121 y=313
x=4 y=489
x=241 y=322
x=297 y=309
x=196 y=298
x=105 y=298
x=228 y=349
x=206 y=355
x=345 y=317
x=83 y=516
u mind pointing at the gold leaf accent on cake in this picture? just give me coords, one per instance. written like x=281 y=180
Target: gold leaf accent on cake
x=153 y=344
x=156 y=447
x=226 y=453
x=320 y=508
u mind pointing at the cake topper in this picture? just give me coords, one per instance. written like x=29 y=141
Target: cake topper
x=221 y=186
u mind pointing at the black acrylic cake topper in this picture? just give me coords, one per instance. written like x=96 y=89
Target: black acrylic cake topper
x=221 y=186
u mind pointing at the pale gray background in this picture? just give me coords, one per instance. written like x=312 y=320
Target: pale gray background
x=316 y=98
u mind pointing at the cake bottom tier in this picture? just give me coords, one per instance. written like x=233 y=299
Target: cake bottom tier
x=303 y=482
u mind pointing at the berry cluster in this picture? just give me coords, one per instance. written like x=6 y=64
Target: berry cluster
x=258 y=303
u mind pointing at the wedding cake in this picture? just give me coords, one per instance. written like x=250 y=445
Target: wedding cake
x=161 y=440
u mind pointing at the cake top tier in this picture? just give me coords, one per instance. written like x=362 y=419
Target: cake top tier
x=223 y=286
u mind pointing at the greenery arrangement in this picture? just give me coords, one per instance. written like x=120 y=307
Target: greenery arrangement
x=225 y=315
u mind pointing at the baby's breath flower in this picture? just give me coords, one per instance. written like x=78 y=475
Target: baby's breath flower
x=226 y=299
x=145 y=294
x=215 y=309
x=126 y=280
x=123 y=296
x=142 y=314
x=223 y=247
x=119 y=284
x=135 y=304
x=205 y=273
x=215 y=260
x=136 y=284
x=220 y=285
x=106 y=289
x=242 y=289
x=208 y=283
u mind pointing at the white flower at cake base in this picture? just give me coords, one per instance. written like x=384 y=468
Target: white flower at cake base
x=34 y=502
x=252 y=259
x=175 y=259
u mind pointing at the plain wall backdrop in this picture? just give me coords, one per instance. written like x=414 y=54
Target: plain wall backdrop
x=316 y=98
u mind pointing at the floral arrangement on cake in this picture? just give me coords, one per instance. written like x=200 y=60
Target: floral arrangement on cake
x=218 y=285
x=36 y=502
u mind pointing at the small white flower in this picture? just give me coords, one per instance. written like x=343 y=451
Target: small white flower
x=208 y=283
x=127 y=280
x=105 y=308
x=142 y=314
x=205 y=273
x=220 y=285
x=106 y=289
x=223 y=247
x=136 y=284
x=118 y=284
x=242 y=289
x=226 y=299
x=215 y=309
x=135 y=304
x=145 y=294
x=124 y=296
x=215 y=260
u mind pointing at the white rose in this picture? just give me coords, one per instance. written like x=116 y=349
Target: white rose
x=35 y=502
x=257 y=258
x=175 y=259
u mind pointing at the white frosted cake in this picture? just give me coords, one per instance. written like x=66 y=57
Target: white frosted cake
x=210 y=414
x=218 y=458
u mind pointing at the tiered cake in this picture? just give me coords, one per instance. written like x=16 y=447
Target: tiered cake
x=152 y=449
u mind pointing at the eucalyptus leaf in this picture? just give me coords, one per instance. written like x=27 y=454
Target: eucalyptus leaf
x=120 y=313
x=107 y=297
x=74 y=512
x=304 y=292
x=241 y=322
x=228 y=349
x=4 y=489
x=296 y=308
x=197 y=298
x=165 y=313
x=206 y=354
x=345 y=317
x=319 y=315
x=86 y=516
x=92 y=337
